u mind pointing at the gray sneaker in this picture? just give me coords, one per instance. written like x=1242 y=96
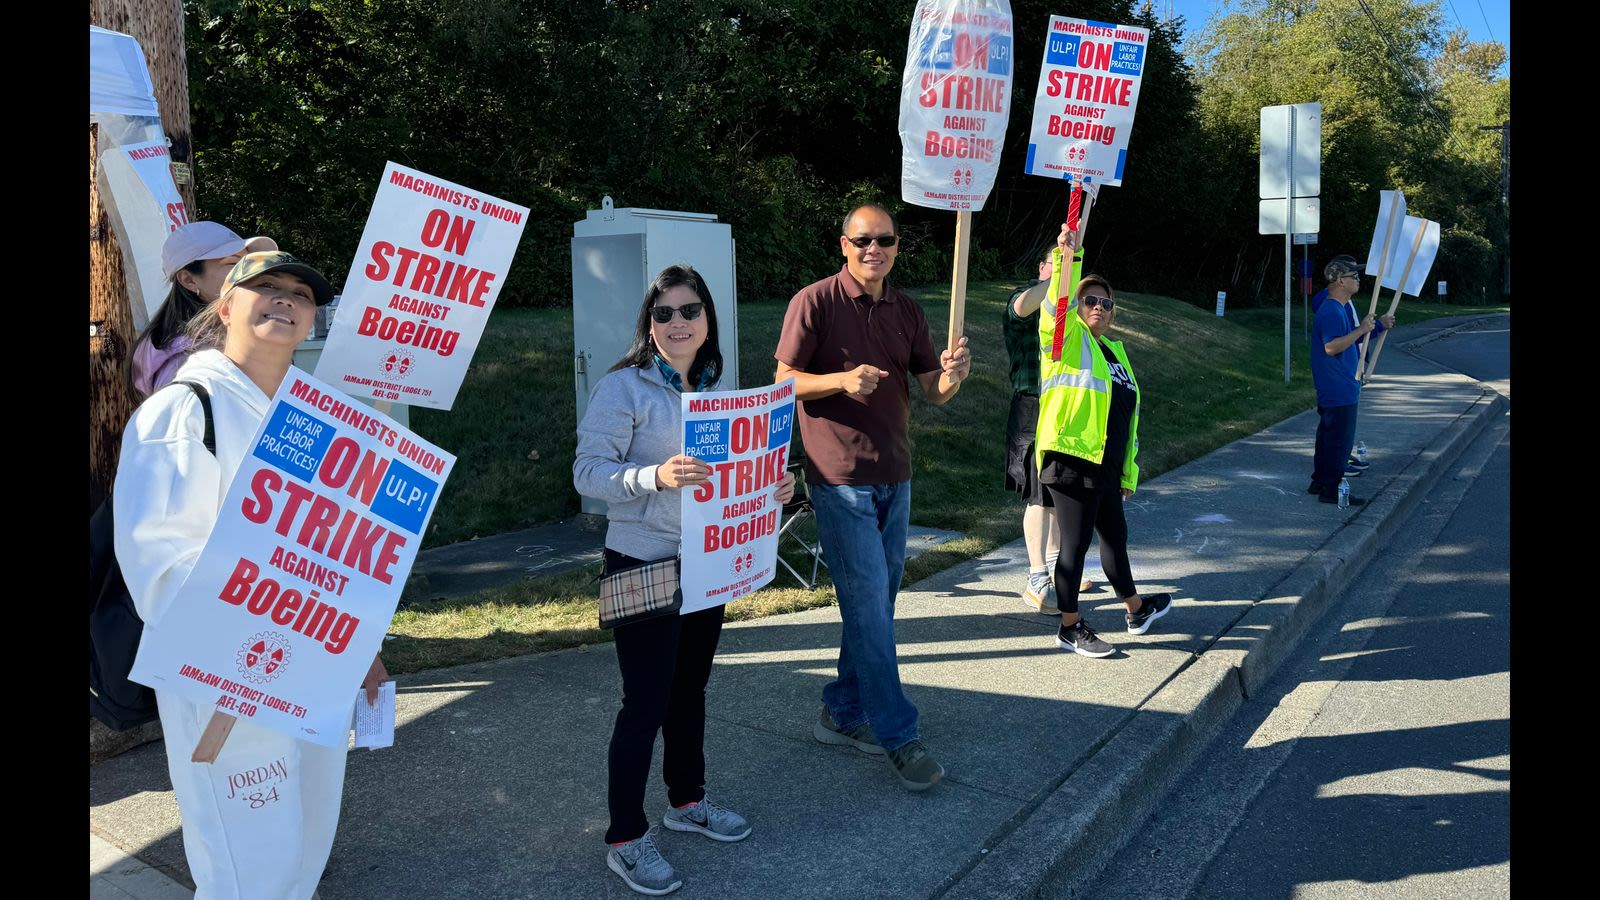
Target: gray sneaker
x=1041 y=596
x=716 y=822
x=859 y=737
x=917 y=768
x=641 y=867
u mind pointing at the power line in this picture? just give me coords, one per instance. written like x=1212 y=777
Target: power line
x=1486 y=22
x=1457 y=15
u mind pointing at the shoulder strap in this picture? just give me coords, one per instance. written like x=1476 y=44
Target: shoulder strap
x=205 y=404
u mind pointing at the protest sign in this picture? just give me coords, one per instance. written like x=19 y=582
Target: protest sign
x=1088 y=93
x=730 y=522
x=1391 y=212
x=427 y=272
x=294 y=590
x=1418 y=240
x=955 y=101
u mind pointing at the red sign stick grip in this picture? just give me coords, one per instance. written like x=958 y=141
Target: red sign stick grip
x=1074 y=205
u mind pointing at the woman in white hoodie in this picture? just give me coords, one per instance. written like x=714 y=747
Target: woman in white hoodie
x=246 y=835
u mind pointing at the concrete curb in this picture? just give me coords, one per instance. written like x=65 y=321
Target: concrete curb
x=1446 y=332
x=1067 y=839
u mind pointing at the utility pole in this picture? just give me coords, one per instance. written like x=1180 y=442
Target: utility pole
x=1505 y=192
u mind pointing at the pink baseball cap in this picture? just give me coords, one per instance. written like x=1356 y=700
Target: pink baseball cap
x=206 y=240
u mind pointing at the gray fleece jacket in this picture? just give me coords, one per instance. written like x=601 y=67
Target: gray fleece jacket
x=633 y=424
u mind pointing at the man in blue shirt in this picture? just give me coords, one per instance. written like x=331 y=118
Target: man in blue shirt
x=1334 y=335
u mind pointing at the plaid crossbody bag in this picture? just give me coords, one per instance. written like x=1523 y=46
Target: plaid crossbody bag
x=640 y=592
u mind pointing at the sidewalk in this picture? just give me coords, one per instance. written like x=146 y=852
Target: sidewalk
x=496 y=785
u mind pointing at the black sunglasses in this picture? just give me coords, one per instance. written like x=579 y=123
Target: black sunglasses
x=1101 y=302
x=884 y=240
x=689 y=311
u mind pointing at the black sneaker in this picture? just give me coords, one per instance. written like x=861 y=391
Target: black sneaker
x=1334 y=498
x=1356 y=463
x=1081 y=639
x=1155 y=606
x=1352 y=471
x=1315 y=488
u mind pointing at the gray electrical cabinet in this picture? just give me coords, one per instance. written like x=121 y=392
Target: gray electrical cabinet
x=616 y=253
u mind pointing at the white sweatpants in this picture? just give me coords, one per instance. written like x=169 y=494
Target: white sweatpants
x=258 y=823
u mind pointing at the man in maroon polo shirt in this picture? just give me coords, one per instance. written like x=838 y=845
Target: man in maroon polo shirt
x=854 y=344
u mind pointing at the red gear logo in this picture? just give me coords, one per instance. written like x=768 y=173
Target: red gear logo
x=744 y=563
x=264 y=657
x=397 y=363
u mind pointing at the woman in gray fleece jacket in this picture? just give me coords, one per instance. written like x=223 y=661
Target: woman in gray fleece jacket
x=630 y=455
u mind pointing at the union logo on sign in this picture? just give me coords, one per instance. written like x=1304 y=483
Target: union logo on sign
x=264 y=656
x=397 y=362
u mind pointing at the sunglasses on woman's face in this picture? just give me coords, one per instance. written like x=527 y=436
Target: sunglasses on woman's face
x=689 y=311
x=1101 y=302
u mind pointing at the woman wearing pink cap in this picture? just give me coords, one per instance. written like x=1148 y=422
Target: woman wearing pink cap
x=196 y=257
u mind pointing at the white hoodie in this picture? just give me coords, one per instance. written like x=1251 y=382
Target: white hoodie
x=259 y=822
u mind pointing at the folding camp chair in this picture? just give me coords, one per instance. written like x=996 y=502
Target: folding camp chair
x=797 y=511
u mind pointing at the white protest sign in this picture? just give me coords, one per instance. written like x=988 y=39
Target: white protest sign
x=955 y=100
x=145 y=207
x=1088 y=92
x=294 y=590
x=429 y=267
x=153 y=164
x=730 y=523
x=1409 y=258
x=1391 y=212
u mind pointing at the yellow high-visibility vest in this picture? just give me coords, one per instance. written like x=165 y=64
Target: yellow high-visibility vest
x=1075 y=390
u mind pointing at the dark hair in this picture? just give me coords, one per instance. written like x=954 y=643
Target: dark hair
x=641 y=353
x=844 y=226
x=171 y=318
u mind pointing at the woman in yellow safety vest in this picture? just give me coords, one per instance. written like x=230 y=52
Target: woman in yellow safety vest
x=1087 y=444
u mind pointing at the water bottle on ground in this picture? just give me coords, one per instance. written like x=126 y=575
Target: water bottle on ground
x=1344 y=493
x=1361 y=452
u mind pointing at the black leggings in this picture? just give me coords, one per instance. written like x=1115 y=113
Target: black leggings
x=1083 y=512
x=665 y=664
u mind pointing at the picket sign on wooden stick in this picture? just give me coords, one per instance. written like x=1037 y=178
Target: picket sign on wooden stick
x=1377 y=286
x=1422 y=230
x=958 y=278
x=212 y=739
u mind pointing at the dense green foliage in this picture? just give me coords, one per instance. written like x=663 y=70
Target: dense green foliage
x=778 y=115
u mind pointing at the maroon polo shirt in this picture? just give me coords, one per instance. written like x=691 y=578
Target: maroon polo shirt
x=834 y=326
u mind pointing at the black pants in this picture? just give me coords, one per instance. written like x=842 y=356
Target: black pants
x=665 y=664
x=1082 y=512
x=1336 y=434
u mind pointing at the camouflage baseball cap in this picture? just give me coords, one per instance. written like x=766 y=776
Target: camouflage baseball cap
x=254 y=264
x=1340 y=266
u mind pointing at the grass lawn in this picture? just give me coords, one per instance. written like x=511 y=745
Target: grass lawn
x=1206 y=382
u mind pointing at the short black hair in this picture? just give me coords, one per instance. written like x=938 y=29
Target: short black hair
x=844 y=226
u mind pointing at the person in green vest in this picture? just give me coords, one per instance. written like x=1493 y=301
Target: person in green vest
x=1087 y=444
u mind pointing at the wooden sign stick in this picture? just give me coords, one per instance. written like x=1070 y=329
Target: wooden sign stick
x=958 y=279
x=212 y=739
x=1422 y=229
x=1377 y=286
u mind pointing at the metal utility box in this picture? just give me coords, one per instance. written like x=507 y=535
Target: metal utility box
x=616 y=253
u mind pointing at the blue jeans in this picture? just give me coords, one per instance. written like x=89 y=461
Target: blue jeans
x=1336 y=434
x=863 y=533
